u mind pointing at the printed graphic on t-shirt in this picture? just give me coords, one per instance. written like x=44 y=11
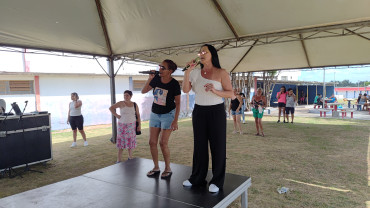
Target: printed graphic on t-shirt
x=160 y=96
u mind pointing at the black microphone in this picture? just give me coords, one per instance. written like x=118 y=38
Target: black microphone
x=26 y=101
x=196 y=61
x=149 y=72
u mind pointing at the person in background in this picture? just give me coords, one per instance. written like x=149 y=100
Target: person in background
x=259 y=104
x=211 y=84
x=358 y=101
x=302 y=98
x=165 y=113
x=315 y=100
x=319 y=100
x=236 y=111
x=333 y=99
x=363 y=101
x=281 y=96
x=243 y=106
x=75 y=118
x=290 y=104
x=126 y=128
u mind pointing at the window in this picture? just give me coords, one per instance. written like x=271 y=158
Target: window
x=284 y=77
x=16 y=87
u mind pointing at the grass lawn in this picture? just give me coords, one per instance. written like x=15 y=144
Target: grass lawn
x=324 y=162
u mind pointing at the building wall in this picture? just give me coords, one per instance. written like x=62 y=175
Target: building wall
x=94 y=92
x=311 y=92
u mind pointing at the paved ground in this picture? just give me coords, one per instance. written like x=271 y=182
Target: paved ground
x=309 y=111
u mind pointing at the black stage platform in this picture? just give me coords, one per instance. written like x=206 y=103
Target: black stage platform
x=126 y=185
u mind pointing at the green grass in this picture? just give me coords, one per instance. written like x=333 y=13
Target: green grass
x=324 y=162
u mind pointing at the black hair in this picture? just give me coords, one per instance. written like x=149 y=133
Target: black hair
x=171 y=65
x=213 y=51
x=290 y=89
x=318 y=94
x=75 y=94
x=128 y=92
x=284 y=88
x=365 y=94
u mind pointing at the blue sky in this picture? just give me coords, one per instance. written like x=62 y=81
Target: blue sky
x=353 y=74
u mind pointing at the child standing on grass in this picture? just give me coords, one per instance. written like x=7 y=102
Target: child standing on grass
x=290 y=104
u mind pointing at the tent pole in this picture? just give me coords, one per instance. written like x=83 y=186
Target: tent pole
x=307 y=96
x=112 y=94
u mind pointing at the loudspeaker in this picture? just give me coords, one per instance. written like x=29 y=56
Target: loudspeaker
x=30 y=146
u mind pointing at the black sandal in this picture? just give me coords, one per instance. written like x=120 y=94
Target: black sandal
x=153 y=173
x=257 y=134
x=168 y=174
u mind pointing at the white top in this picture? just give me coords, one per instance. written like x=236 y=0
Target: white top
x=74 y=111
x=127 y=115
x=201 y=96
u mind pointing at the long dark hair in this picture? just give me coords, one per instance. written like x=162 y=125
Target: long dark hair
x=284 y=89
x=215 y=61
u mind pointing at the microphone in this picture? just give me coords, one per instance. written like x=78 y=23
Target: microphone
x=149 y=72
x=26 y=101
x=196 y=61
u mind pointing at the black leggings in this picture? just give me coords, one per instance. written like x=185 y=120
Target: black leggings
x=209 y=124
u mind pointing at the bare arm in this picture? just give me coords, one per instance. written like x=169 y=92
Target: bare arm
x=240 y=103
x=147 y=87
x=113 y=108
x=186 y=84
x=138 y=118
x=264 y=102
x=174 y=125
x=78 y=103
x=68 y=114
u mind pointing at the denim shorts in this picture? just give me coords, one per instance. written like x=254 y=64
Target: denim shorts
x=162 y=121
x=236 y=112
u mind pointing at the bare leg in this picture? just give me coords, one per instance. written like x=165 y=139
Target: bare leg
x=119 y=156
x=130 y=153
x=237 y=119
x=257 y=125
x=82 y=132
x=279 y=112
x=164 y=147
x=153 y=141
x=74 y=135
x=260 y=125
x=292 y=117
x=287 y=117
x=283 y=109
x=234 y=120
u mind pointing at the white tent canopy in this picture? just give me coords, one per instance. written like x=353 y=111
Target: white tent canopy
x=251 y=35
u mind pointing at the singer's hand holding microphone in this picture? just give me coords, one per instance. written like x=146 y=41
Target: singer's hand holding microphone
x=152 y=73
x=192 y=64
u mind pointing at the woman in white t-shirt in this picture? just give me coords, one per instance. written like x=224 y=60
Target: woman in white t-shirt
x=126 y=128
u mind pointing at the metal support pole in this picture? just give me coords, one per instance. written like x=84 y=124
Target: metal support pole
x=112 y=94
x=324 y=87
x=307 y=96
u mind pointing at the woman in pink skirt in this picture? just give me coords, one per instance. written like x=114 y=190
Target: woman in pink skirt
x=126 y=128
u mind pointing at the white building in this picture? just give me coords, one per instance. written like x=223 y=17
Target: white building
x=51 y=92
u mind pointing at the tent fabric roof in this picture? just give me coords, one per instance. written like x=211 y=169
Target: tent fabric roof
x=250 y=35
